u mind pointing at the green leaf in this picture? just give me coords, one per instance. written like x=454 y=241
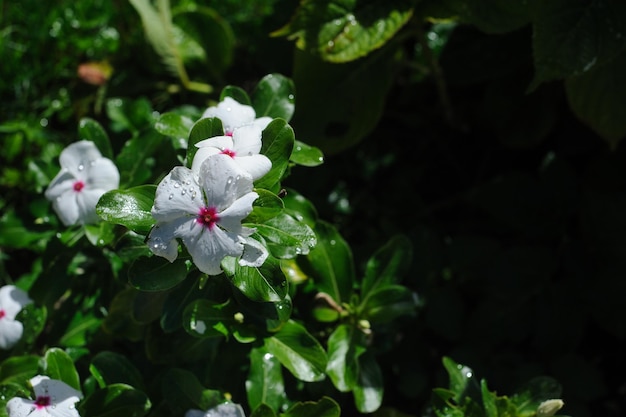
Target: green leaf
x=345 y=344
x=183 y=391
x=119 y=321
x=265 y=384
x=387 y=303
x=59 y=365
x=267 y=206
x=572 y=37
x=204 y=128
x=489 y=400
x=100 y=234
x=266 y=283
x=263 y=410
x=300 y=208
x=130 y=208
x=326 y=407
x=286 y=237
x=278 y=139
x=330 y=263
x=205 y=318
x=298 y=351
x=148 y=306
x=177 y=126
x=236 y=93
x=18 y=368
x=598 y=98
x=115 y=400
x=305 y=155
x=459 y=376
x=368 y=392
x=131 y=115
x=135 y=158
x=178 y=299
x=156 y=274
x=344 y=30
x=388 y=265
x=90 y=129
x=491 y=16
x=109 y=368
x=274 y=97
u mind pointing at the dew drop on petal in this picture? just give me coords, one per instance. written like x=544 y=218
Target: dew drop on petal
x=81 y=167
x=176 y=185
x=183 y=192
x=171 y=196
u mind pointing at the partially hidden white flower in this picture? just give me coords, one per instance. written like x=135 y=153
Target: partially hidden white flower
x=221 y=410
x=205 y=211
x=12 y=300
x=52 y=398
x=234 y=114
x=243 y=146
x=85 y=175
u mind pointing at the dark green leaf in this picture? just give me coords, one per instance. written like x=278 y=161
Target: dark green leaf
x=110 y=367
x=18 y=368
x=286 y=237
x=267 y=206
x=326 y=407
x=263 y=410
x=345 y=345
x=100 y=234
x=183 y=391
x=156 y=274
x=148 y=306
x=300 y=208
x=135 y=158
x=274 y=97
x=368 y=392
x=236 y=93
x=204 y=128
x=59 y=365
x=278 y=139
x=90 y=129
x=305 y=155
x=387 y=303
x=491 y=16
x=388 y=265
x=265 y=384
x=266 y=283
x=298 y=351
x=205 y=318
x=115 y=400
x=178 y=299
x=130 y=208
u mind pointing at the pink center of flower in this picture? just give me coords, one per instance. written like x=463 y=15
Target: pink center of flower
x=2 y=313
x=228 y=132
x=42 y=401
x=207 y=217
x=229 y=152
x=78 y=186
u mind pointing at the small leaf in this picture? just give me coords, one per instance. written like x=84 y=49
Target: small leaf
x=59 y=365
x=205 y=318
x=298 y=351
x=110 y=367
x=130 y=208
x=267 y=206
x=174 y=125
x=266 y=283
x=387 y=303
x=274 y=97
x=132 y=160
x=204 y=128
x=236 y=93
x=305 y=155
x=388 y=265
x=278 y=139
x=156 y=274
x=90 y=129
x=182 y=390
x=326 y=407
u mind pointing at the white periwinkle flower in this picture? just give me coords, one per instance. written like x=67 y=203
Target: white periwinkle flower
x=12 y=300
x=52 y=398
x=221 y=410
x=243 y=146
x=234 y=114
x=85 y=175
x=205 y=211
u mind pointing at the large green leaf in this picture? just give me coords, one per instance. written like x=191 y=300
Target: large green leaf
x=387 y=303
x=286 y=237
x=130 y=208
x=345 y=30
x=90 y=129
x=133 y=159
x=388 y=265
x=59 y=365
x=265 y=384
x=267 y=206
x=109 y=367
x=330 y=263
x=345 y=345
x=176 y=126
x=18 y=368
x=205 y=318
x=278 y=139
x=274 y=97
x=183 y=391
x=598 y=98
x=573 y=36
x=368 y=392
x=115 y=400
x=298 y=351
x=265 y=283
x=326 y=407
x=179 y=297
x=156 y=274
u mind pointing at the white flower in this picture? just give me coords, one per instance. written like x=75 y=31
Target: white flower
x=205 y=212
x=85 y=175
x=52 y=398
x=243 y=146
x=221 y=410
x=234 y=114
x=12 y=300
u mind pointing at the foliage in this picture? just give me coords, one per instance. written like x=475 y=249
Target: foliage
x=446 y=182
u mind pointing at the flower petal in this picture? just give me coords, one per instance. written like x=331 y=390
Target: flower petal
x=256 y=165
x=12 y=300
x=162 y=237
x=66 y=207
x=21 y=407
x=262 y=122
x=223 y=181
x=209 y=247
x=247 y=140
x=231 y=217
x=86 y=201
x=254 y=253
x=63 y=182
x=232 y=114
x=210 y=147
x=177 y=195
x=62 y=395
x=79 y=155
x=10 y=332
x=102 y=174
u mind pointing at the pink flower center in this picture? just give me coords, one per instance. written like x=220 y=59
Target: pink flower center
x=78 y=186
x=229 y=152
x=2 y=313
x=228 y=133
x=42 y=401
x=207 y=217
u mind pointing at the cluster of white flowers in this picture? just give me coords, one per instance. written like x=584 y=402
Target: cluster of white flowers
x=85 y=175
x=204 y=206
x=52 y=398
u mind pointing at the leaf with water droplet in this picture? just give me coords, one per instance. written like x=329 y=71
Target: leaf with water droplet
x=130 y=208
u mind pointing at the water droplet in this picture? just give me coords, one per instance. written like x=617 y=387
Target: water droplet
x=183 y=192
x=188 y=182
x=193 y=195
x=331 y=44
x=81 y=167
x=176 y=185
x=290 y=97
x=171 y=196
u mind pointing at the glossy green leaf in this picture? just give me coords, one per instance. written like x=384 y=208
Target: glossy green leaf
x=298 y=351
x=286 y=237
x=459 y=376
x=267 y=206
x=345 y=345
x=205 y=318
x=266 y=283
x=278 y=140
x=100 y=234
x=133 y=161
x=300 y=207
x=326 y=407
x=109 y=368
x=174 y=125
x=274 y=97
x=263 y=410
x=387 y=303
x=115 y=400
x=489 y=400
x=330 y=263
x=345 y=30
x=388 y=265
x=130 y=208
x=368 y=392
x=156 y=274
x=598 y=98
x=59 y=365
x=182 y=390
x=572 y=37
x=204 y=128
x=18 y=368
x=305 y=155
x=236 y=93
x=265 y=384
x=79 y=329
x=92 y=130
